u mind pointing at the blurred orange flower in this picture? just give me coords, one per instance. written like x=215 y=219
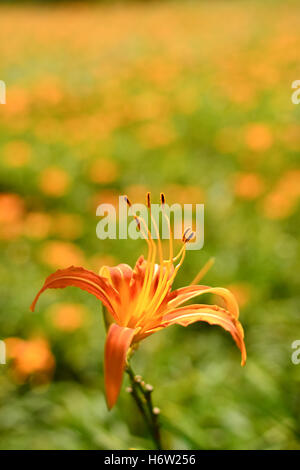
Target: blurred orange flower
x=289 y=183
x=18 y=101
x=137 y=191
x=68 y=316
x=248 y=185
x=282 y=201
x=57 y=254
x=48 y=91
x=37 y=225
x=11 y=215
x=30 y=357
x=103 y=170
x=11 y=208
x=154 y=135
x=258 y=137
x=54 y=181
x=105 y=196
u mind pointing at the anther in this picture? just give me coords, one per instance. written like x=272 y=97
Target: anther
x=137 y=222
x=148 y=200
x=127 y=201
x=184 y=236
x=190 y=237
x=162 y=198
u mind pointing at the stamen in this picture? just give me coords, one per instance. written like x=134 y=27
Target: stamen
x=164 y=273
x=150 y=260
x=184 y=236
x=179 y=253
x=190 y=237
x=169 y=262
x=203 y=271
x=184 y=240
x=147 y=307
x=170 y=229
x=169 y=282
x=149 y=265
x=156 y=306
x=147 y=291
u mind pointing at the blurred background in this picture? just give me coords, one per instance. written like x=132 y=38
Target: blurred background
x=191 y=98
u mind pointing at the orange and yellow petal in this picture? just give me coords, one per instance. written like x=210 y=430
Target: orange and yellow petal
x=212 y=314
x=182 y=295
x=117 y=275
x=85 y=280
x=118 y=341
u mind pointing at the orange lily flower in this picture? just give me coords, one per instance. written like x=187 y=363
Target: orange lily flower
x=140 y=301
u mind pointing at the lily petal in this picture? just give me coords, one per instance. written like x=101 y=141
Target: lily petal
x=117 y=275
x=85 y=280
x=212 y=314
x=180 y=296
x=118 y=341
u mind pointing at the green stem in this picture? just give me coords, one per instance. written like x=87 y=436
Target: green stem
x=142 y=395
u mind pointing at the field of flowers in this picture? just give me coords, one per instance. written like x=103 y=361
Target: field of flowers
x=189 y=98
